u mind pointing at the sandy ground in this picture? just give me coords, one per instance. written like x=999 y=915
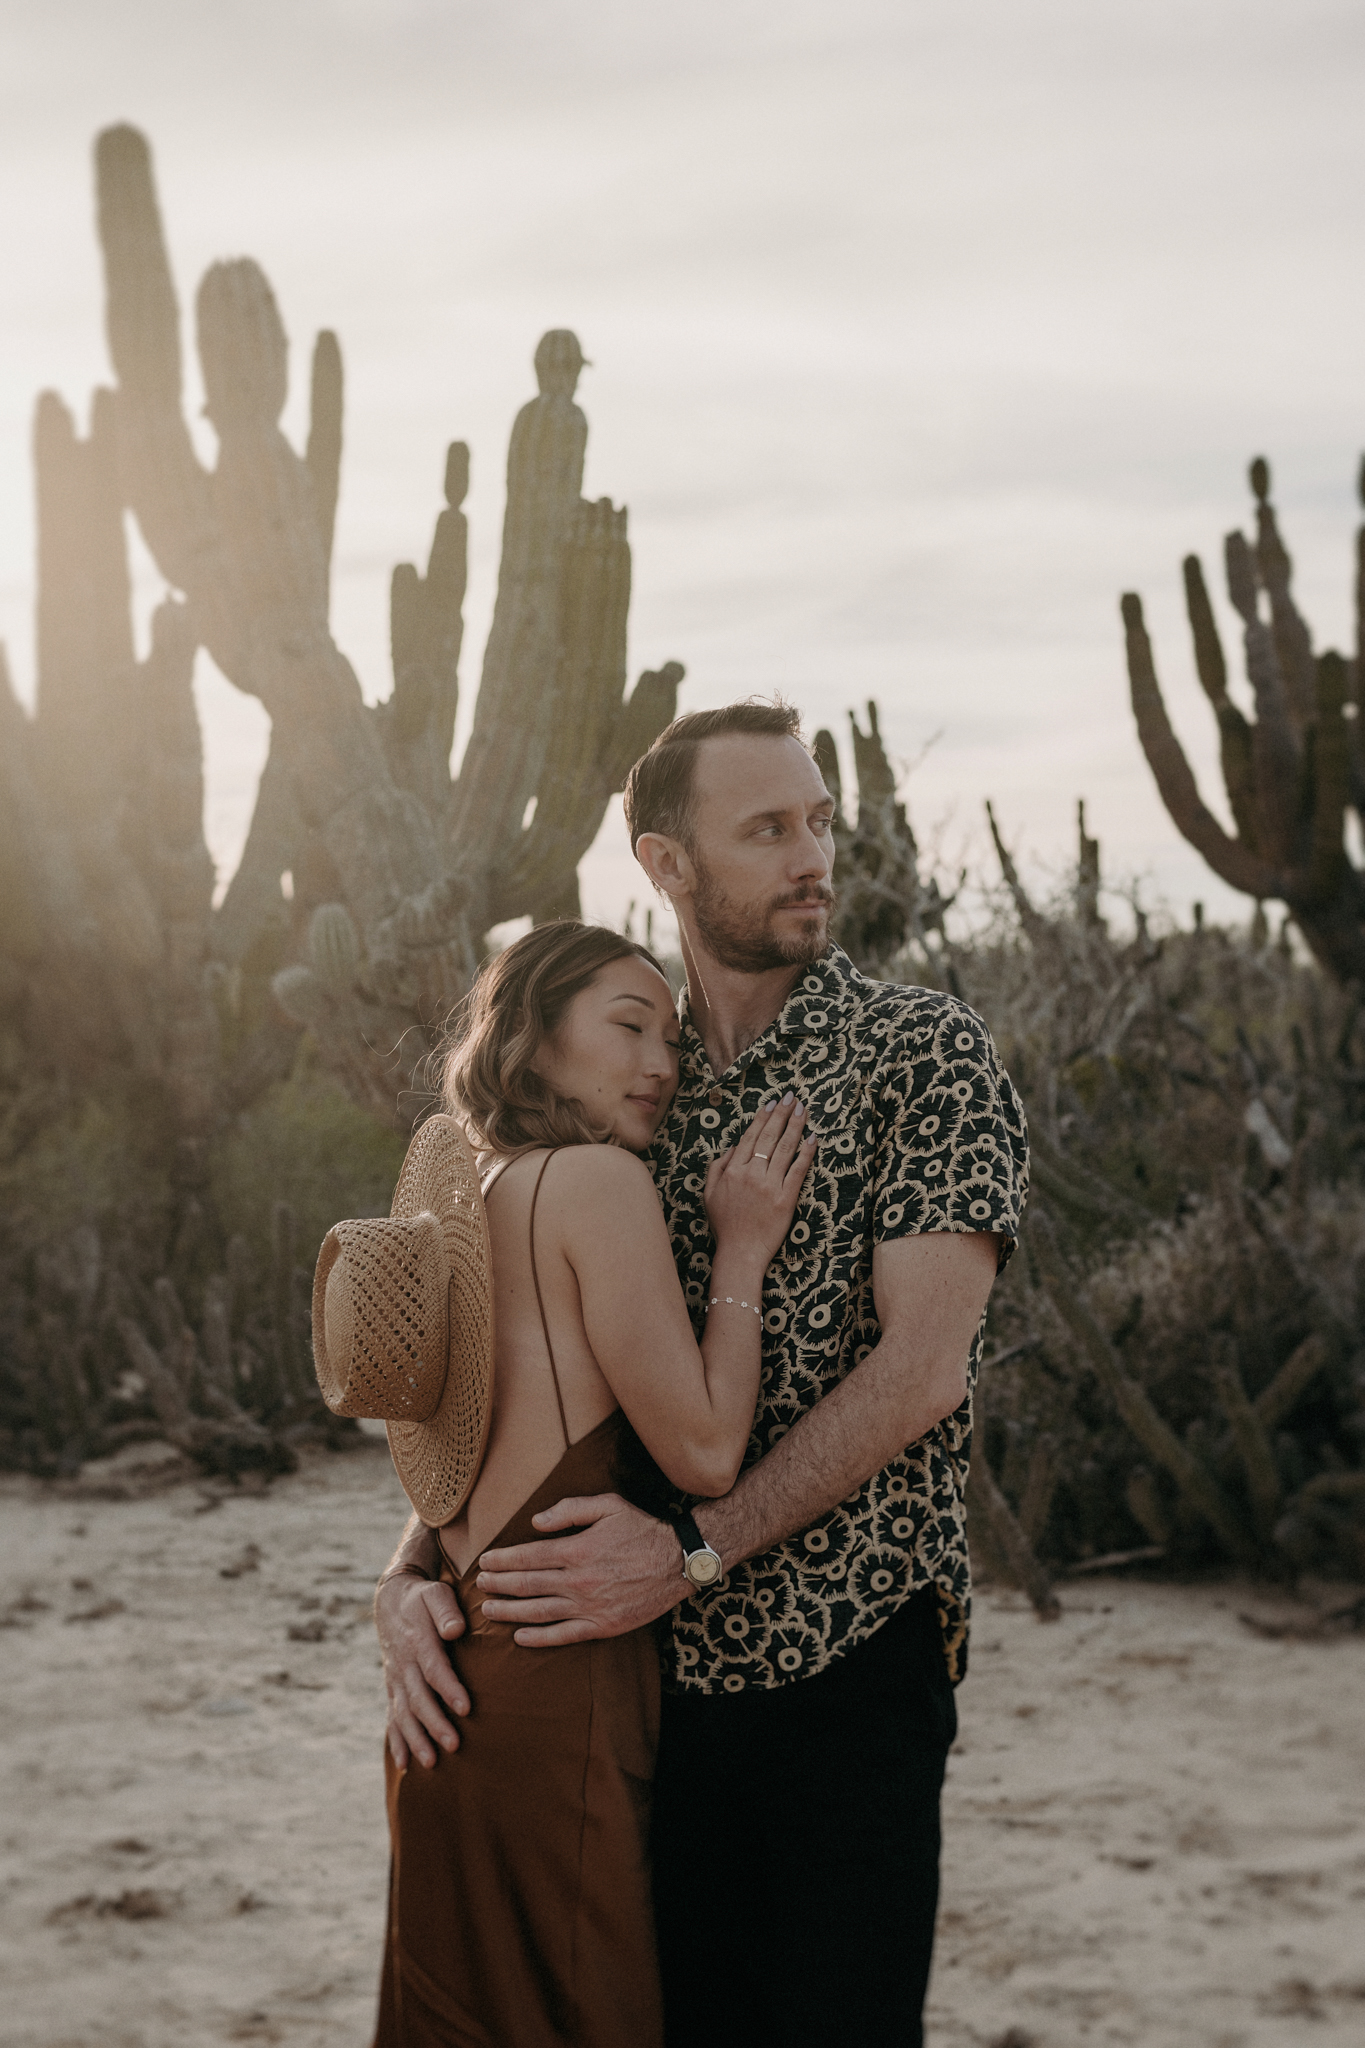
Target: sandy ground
x=1155 y=1816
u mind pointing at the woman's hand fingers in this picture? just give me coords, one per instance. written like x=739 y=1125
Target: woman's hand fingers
x=764 y=1133
x=799 y=1166
x=787 y=1140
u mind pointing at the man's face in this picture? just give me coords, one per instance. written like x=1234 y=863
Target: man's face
x=762 y=848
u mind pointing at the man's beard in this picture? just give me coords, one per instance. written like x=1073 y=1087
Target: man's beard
x=744 y=940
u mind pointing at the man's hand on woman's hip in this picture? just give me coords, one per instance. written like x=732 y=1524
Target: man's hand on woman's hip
x=415 y=1618
x=620 y=1570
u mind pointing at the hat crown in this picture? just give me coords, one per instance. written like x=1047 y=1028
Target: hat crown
x=403 y=1320
x=384 y=1348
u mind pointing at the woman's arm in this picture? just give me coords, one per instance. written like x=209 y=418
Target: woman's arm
x=692 y=1407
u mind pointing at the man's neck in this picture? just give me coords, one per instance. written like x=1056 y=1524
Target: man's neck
x=730 y=1009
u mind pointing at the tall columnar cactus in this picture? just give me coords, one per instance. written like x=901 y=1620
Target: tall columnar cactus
x=396 y=872
x=1290 y=771
x=116 y=797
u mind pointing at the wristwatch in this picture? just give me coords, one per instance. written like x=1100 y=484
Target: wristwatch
x=702 y=1565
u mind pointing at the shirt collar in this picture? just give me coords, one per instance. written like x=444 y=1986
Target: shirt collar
x=820 y=1003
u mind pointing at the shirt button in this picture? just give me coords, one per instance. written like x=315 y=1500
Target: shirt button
x=715 y=1098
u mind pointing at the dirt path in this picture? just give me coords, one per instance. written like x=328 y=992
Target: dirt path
x=1155 y=1818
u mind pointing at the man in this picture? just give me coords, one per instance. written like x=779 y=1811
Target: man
x=810 y=1664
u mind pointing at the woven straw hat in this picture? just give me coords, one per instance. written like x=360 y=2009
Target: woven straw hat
x=403 y=1321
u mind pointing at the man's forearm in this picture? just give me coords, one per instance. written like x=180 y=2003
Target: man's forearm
x=858 y=1427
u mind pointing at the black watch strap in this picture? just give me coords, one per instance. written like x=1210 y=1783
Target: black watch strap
x=701 y=1564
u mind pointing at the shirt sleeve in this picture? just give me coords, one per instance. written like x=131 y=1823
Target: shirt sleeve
x=952 y=1152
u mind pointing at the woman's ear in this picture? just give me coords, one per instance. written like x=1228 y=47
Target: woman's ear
x=666 y=862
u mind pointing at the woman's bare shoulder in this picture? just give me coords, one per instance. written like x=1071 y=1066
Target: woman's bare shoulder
x=600 y=1170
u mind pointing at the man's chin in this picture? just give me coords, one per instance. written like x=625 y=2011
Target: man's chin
x=809 y=941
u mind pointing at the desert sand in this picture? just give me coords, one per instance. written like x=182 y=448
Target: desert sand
x=1155 y=1814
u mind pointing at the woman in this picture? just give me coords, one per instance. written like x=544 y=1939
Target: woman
x=520 y=1909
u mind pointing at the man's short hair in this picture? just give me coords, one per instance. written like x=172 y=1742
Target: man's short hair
x=658 y=794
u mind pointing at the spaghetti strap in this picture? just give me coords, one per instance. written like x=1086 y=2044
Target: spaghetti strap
x=554 y=1369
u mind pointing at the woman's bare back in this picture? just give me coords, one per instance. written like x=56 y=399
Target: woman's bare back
x=526 y=1436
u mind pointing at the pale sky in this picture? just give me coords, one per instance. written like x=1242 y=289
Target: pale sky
x=919 y=331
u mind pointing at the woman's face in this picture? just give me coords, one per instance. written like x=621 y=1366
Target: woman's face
x=616 y=1051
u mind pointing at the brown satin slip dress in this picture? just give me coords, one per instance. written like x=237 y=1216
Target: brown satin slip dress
x=520 y=1912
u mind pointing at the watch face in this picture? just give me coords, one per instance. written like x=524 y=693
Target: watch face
x=702 y=1568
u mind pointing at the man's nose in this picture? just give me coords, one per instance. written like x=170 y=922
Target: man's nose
x=810 y=857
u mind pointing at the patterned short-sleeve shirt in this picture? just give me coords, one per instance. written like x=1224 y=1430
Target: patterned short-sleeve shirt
x=920 y=1130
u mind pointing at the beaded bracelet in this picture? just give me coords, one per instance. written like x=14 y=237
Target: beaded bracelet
x=730 y=1301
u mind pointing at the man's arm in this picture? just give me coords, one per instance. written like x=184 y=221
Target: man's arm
x=623 y=1570
x=415 y=1616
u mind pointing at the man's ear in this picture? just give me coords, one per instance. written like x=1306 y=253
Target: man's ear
x=667 y=863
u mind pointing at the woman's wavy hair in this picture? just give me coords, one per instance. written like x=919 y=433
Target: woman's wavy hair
x=518 y=1001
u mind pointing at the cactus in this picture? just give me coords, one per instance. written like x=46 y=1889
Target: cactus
x=1292 y=770
x=334 y=946
x=108 y=882
x=359 y=803
x=883 y=902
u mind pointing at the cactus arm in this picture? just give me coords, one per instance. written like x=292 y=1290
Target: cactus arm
x=1293 y=643
x=1328 y=865
x=1234 y=731
x=876 y=780
x=652 y=705
x=575 y=779
x=826 y=756
x=253 y=898
x=1208 y=648
x=515 y=714
x=86 y=730
x=324 y=435
x=426 y=628
x=161 y=474
x=1237 y=865
x=1276 y=743
x=1033 y=924
x=445 y=583
x=1276 y=1402
x=1087 y=871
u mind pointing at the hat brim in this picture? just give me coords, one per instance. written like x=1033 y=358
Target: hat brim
x=437 y=1461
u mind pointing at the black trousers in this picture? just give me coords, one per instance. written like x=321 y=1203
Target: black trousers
x=796 y=1846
